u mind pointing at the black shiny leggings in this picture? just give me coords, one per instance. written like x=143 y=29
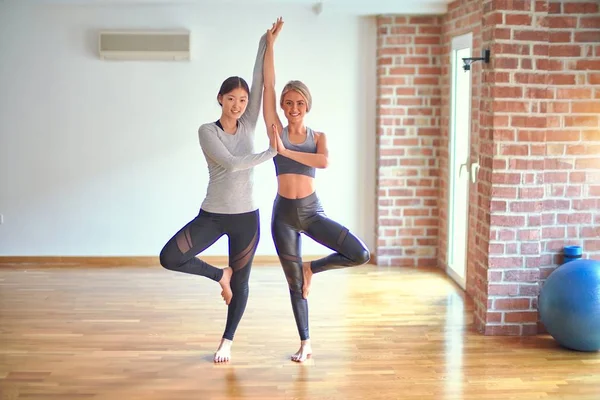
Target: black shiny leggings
x=179 y=254
x=294 y=216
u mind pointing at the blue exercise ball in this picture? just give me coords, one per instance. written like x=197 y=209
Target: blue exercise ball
x=569 y=305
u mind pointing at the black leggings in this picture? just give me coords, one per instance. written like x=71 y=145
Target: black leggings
x=290 y=218
x=179 y=254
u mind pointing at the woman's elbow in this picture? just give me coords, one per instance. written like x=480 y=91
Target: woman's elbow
x=324 y=163
x=229 y=166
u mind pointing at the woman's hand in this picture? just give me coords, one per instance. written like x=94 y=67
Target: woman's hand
x=274 y=31
x=278 y=142
x=272 y=139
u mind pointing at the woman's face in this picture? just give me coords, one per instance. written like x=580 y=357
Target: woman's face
x=234 y=103
x=294 y=106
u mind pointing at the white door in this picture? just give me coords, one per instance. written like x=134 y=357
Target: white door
x=460 y=164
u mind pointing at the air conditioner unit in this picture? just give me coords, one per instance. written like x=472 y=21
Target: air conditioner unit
x=144 y=45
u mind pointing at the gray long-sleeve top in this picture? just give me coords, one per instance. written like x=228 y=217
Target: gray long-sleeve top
x=231 y=157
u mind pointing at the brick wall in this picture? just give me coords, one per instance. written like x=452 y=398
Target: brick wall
x=571 y=209
x=535 y=132
x=408 y=115
x=571 y=213
x=545 y=132
x=516 y=85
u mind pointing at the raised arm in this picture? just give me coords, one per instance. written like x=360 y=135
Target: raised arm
x=250 y=116
x=270 y=97
x=216 y=151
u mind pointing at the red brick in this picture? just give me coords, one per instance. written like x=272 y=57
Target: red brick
x=520 y=317
x=430 y=71
x=563 y=136
x=587 y=37
x=528 y=122
x=498 y=206
x=575 y=218
x=589 y=22
x=582 y=121
x=429 y=40
x=506 y=63
x=515 y=303
x=495 y=18
x=511 y=5
x=559 y=37
x=493 y=317
x=424 y=20
x=517 y=19
x=583 y=65
x=587 y=163
x=561 y=79
x=554 y=22
x=574 y=93
x=589 y=232
x=588 y=107
x=530 y=248
x=429 y=30
x=502 y=330
x=541 y=6
x=503 y=290
x=526 y=206
x=565 y=51
x=506 y=178
x=553 y=233
x=594 y=79
x=391 y=51
x=399 y=40
x=426 y=80
x=505 y=262
x=402 y=71
x=514 y=150
x=403 y=30
x=588 y=7
x=554 y=163
x=529 y=234
x=556 y=177
x=504 y=192
x=591 y=245
x=531 y=35
x=538 y=93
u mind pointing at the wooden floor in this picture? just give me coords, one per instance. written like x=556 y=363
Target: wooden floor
x=378 y=333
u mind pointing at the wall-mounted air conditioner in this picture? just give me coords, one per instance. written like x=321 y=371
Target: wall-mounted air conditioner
x=144 y=45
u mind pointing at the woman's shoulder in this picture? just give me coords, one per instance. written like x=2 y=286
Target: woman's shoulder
x=209 y=127
x=314 y=133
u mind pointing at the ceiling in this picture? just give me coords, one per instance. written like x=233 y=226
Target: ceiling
x=354 y=7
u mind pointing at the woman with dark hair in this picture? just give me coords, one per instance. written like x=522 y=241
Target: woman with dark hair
x=229 y=207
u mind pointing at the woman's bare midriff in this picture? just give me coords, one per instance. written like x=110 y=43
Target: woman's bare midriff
x=294 y=186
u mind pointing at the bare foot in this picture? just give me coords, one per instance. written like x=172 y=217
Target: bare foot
x=223 y=353
x=304 y=352
x=307 y=274
x=226 y=293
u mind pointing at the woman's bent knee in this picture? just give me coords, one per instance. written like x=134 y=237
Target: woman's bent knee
x=362 y=257
x=168 y=261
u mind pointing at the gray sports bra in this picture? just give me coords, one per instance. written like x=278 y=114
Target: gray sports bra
x=284 y=165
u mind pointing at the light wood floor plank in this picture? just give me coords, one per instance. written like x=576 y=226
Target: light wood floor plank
x=378 y=333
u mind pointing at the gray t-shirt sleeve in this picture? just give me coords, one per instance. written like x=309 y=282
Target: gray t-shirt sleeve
x=250 y=116
x=214 y=148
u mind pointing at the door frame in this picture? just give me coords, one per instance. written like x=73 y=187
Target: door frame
x=458 y=42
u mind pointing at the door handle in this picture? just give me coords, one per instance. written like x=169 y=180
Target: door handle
x=474 y=171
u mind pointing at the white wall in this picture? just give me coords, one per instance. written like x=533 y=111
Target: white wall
x=102 y=158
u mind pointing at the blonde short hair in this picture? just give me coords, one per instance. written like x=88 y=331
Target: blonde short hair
x=299 y=87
